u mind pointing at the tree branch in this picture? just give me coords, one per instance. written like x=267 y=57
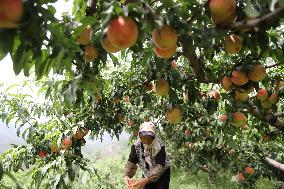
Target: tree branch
x=275 y=164
x=194 y=16
x=263 y=21
x=281 y=114
x=266 y=117
x=195 y=64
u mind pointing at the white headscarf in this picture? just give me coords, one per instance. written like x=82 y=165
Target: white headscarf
x=152 y=149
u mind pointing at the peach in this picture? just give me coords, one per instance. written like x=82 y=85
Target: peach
x=240 y=96
x=67 y=143
x=174 y=64
x=241 y=177
x=233 y=44
x=273 y=99
x=215 y=95
x=149 y=86
x=11 y=12
x=108 y=46
x=54 y=148
x=223 y=117
x=122 y=32
x=257 y=73
x=85 y=36
x=174 y=115
x=130 y=123
x=167 y=53
x=249 y=170
x=91 y=53
x=239 y=78
x=262 y=94
x=226 y=83
x=8 y=24
x=42 y=154
x=162 y=88
x=165 y=38
x=245 y=127
x=126 y=98
x=239 y=119
x=222 y=8
x=86 y=131
x=79 y=134
x=279 y=86
x=220 y=21
x=231 y=152
x=187 y=133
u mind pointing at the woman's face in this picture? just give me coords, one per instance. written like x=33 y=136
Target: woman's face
x=146 y=139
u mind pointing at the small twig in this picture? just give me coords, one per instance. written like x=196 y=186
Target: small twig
x=274 y=65
x=266 y=117
x=281 y=114
x=264 y=20
x=194 y=16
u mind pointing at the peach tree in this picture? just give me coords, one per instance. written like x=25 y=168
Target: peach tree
x=208 y=73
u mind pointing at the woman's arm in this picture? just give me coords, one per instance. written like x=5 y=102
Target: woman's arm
x=131 y=167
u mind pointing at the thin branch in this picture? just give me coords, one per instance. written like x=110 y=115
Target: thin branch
x=274 y=65
x=281 y=114
x=275 y=164
x=194 y=16
x=195 y=64
x=265 y=117
x=264 y=20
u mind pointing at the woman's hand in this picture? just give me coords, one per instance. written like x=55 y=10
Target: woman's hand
x=141 y=182
x=127 y=181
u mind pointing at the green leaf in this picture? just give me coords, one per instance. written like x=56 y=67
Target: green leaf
x=1 y=171
x=233 y=145
x=6 y=42
x=250 y=10
x=19 y=58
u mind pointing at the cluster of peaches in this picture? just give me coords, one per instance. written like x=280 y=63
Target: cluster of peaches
x=66 y=143
x=248 y=171
x=239 y=79
x=256 y=74
x=122 y=33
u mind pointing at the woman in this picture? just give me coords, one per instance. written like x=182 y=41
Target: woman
x=149 y=152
